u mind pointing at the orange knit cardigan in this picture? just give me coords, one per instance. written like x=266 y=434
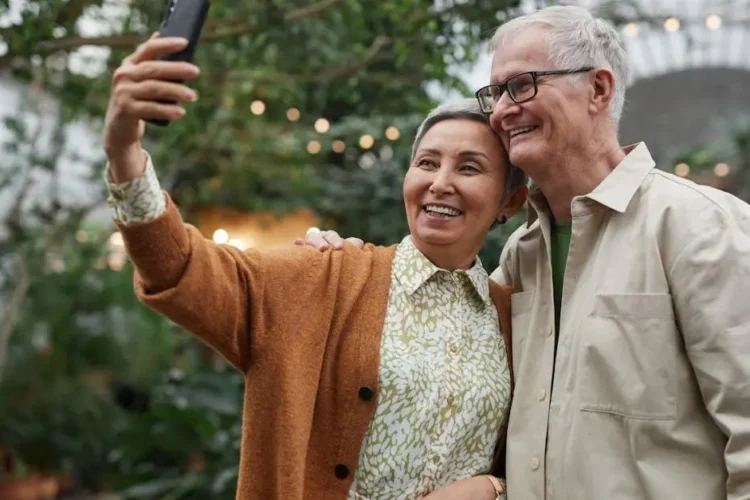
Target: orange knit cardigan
x=303 y=326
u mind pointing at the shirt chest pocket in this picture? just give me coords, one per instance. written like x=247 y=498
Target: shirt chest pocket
x=630 y=347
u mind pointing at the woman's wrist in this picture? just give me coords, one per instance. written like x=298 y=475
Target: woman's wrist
x=498 y=486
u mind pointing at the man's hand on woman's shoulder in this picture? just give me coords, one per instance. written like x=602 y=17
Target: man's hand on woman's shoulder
x=324 y=240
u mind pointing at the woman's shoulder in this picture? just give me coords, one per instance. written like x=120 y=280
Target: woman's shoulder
x=298 y=262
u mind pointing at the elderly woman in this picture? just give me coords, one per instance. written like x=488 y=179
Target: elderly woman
x=372 y=373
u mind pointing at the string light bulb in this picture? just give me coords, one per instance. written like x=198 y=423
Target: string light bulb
x=322 y=126
x=631 y=29
x=257 y=107
x=713 y=22
x=721 y=170
x=292 y=114
x=682 y=169
x=392 y=133
x=313 y=147
x=221 y=236
x=366 y=141
x=672 y=24
x=338 y=146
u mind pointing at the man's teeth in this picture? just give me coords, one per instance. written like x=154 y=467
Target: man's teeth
x=442 y=210
x=520 y=131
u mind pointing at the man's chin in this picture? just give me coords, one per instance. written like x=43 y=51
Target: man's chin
x=525 y=155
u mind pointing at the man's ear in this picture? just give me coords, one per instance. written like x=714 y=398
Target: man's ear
x=512 y=204
x=603 y=90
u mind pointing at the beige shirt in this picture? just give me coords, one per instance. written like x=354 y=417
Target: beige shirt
x=649 y=394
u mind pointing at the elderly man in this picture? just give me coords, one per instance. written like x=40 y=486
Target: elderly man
x=631 y=317
x=631 y=311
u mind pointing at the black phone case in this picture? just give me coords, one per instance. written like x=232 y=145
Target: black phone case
x=183 y=18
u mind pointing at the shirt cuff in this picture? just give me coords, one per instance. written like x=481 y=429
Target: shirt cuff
x=137 y=201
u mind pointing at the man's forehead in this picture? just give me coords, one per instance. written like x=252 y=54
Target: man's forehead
x=522 y=50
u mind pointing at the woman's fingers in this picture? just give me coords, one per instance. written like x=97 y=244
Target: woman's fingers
x=157 y=90
x=157 y=46
x=156 y=70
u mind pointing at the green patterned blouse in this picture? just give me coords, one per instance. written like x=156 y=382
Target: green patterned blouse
x=444 y=382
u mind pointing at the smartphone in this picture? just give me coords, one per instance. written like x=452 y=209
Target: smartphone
x=183 y=18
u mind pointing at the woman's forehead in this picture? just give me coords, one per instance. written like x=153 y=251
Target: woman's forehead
x=461 y=137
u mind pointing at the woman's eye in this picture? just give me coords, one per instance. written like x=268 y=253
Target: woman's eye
x=426 y=163
x=469 y=168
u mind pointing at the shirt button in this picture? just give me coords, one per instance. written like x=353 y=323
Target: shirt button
x=341 y=471
x=453 y=299
x=534 y=463
x=454 y=348
x=365 y=394
x=542 y=394
x=436 y=458
x=450 y=400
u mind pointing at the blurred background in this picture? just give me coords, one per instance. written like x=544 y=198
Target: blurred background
x=306 y=114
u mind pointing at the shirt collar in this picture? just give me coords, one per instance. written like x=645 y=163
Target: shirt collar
x=413 y=270
x=615 y=191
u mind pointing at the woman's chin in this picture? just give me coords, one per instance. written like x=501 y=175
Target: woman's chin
x=437 y=237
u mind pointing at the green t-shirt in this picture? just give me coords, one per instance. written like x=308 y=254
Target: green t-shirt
x=560 y=244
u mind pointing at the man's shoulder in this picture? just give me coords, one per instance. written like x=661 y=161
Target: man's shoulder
x=523 y=232
x=684 y=200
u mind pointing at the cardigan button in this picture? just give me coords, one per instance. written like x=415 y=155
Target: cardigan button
x=365 y=394
x=341 y=471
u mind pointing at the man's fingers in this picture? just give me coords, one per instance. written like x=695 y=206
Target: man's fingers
x=315 y=239
x=356 y=242
x=323 y=240
x=333 y=239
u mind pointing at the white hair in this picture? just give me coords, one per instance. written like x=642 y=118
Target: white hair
x=577 y=39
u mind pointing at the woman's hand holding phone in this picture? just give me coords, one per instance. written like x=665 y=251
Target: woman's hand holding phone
x=144 y=88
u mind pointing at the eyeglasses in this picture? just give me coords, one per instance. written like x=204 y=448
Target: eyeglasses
x=521 y=88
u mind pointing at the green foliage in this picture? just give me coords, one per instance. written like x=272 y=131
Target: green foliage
x=96 y=387
x=735 y=153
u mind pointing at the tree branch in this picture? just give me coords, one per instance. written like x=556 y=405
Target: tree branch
x=310 y=10
x=13 y=307
x=318 y=75
x=217 y=29
x=351 y=69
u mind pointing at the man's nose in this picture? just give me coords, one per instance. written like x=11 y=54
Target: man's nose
x=503 y=108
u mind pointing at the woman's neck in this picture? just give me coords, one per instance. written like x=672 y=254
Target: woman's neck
x=447 y=257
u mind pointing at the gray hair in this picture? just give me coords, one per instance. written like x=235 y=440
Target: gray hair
x=467 y=109
x=577 y=39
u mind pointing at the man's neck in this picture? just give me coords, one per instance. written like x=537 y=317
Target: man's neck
x=576 y=175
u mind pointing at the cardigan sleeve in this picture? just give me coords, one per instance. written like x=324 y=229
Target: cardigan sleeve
x=218 y=292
